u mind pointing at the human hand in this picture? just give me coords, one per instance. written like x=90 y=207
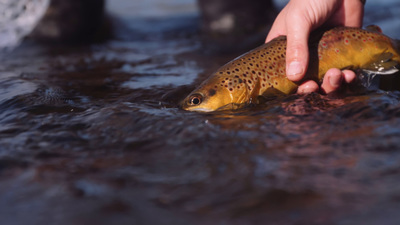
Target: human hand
x=332 y=81
x=297 y=19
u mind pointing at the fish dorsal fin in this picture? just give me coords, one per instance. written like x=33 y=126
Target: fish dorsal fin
x=373 y=28
x=280 y=38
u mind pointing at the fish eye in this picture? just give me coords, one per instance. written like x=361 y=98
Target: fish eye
x=195 y=99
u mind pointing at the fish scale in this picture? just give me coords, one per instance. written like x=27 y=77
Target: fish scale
x=261 y=72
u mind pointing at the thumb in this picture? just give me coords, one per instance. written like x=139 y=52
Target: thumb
x=297 y=54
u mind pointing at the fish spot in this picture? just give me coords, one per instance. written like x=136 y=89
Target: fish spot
x=240 y=81
x=211 y=92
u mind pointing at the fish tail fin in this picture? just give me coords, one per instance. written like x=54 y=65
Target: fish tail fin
x=383 y=65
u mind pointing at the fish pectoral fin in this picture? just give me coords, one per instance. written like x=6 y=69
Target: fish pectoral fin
x=270 y=94
x=383 y=64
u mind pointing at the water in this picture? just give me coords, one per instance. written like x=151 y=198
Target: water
x=92 y=135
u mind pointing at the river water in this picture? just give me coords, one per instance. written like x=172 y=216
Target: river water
x=92 y=135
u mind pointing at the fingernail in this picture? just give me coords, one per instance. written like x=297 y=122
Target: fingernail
x=294 y=70
x=335 y=81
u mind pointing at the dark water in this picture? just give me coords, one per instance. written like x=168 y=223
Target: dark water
x=92 y=135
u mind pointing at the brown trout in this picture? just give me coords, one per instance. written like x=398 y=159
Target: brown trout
x=261 y=72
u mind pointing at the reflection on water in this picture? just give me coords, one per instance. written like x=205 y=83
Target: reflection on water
x=93 y=135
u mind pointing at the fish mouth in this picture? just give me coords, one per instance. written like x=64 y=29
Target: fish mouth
x=183 y=105
x=227 y=107
x=200 y=110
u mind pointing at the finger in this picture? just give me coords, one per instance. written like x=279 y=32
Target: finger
x=353 y=18
x=332 y=80
x=308 y=87
x=297 y=46
x=349 y=76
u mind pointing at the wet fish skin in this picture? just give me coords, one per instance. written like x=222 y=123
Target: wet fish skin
x=261 y=72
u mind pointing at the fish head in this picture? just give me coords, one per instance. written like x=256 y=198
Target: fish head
x=210 y=96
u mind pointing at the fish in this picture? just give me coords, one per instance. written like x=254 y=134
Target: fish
x=261 y=71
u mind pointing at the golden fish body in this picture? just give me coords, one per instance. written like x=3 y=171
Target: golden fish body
x=261 y=72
